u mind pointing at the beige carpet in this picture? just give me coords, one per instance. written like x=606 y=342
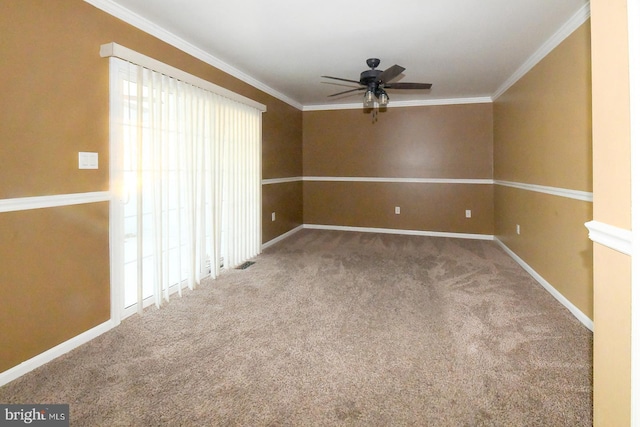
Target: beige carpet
x=337 y=328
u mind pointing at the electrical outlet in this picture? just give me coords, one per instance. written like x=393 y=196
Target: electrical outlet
x=467 y=213
x=273 y=216
x=517 y=228
x=397 y=210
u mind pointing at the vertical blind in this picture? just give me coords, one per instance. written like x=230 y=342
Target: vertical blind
x=186 y=171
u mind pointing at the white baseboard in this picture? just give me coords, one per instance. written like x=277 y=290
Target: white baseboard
x=53 y=353
x=281 y=237
x=398 y=231
x=583 y=318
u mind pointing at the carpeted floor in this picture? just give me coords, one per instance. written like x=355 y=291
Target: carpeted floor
x=338 y=328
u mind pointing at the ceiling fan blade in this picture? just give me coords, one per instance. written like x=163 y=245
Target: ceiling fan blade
x=338 y=78
x=390 y=73
x=408 y=86
x=348 y=91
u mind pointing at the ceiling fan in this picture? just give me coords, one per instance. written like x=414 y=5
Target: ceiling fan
x=374 y=82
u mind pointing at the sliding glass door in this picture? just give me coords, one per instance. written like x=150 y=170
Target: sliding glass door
x=185 y=173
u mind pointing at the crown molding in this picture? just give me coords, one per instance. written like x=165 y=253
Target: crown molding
x=149 y=27
x=578 y=18
x=395 y=104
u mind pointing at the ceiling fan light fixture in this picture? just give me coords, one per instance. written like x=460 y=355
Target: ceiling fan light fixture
x=369 y=99
x=384 y=99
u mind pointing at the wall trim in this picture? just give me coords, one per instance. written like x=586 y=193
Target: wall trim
x=633 y=13
x=399 y=180
x=54 y=352
x=578 y=18
x=281 y=237
x=39 y=202
x=143 y=24
x=578 y=314
x=399 y=231
x=270 y=181
x=377 y=179
x=394 y=104
x=615 y=238
x=149 y=27
x=585 y=196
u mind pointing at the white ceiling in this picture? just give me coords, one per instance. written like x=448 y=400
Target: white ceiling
x=466 y=48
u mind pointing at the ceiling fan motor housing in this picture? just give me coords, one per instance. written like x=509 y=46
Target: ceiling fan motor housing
x=369 y=76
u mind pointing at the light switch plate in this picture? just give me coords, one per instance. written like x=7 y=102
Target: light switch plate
x=87 y=160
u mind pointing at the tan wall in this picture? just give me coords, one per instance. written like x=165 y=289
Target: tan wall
x=551 y=240
x=285 y=201
x=542 y=135
x=612 y=338
x=430 y=207
x=281 y=158
x=54 y=277
x=452 y=141
x=611 y=115
x=55 y=103
x=612 y=205
x=281 y=141
x=543 y=122
x=447 y=141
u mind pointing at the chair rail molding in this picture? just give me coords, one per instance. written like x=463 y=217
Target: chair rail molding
x=52 y=201
x=585 y=196
x=610 y=236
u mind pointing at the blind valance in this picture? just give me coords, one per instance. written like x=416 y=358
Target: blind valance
x=115 y=50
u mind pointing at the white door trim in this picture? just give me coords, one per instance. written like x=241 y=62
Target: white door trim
x=633 y=19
